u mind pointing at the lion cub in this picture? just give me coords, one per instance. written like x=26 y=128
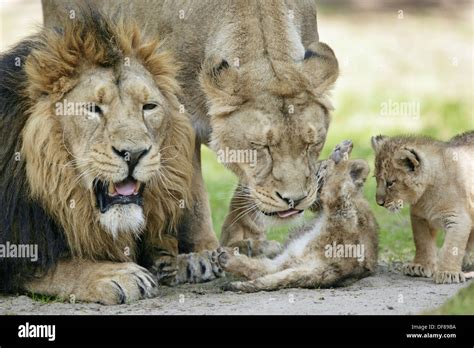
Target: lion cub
x=339 y=244
x=436 y=179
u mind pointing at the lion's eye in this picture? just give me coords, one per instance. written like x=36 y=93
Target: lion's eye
x=389 y=183
x=149 y=106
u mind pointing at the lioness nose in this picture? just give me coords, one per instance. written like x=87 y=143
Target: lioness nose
x=291 y=201
x=131 y=157
x=380 y=201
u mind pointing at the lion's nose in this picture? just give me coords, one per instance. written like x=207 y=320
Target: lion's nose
x=132 y=157
x=293 y=202
x=380 y=201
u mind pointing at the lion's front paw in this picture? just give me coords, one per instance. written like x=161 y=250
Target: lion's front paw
x=120 y=283
x=449 y=277
x=417 y=270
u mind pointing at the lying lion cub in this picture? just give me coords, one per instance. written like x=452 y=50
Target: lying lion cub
x=340 y=244
x=435 y=178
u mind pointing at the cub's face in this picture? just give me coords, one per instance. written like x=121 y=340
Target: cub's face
x=338 y=178
x=113 y=125
x=398 y=173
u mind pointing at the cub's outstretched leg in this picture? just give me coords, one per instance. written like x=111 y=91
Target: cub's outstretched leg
x=104 y=282
x=424 y=264
x=243 y=266
x=301 y=277
x=458 y=229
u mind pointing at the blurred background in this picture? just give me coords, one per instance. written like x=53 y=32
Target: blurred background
x=406 y=67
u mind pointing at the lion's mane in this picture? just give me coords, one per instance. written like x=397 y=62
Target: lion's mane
x=37 y=185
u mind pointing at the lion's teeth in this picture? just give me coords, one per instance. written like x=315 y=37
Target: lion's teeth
x=137 y=187
x=111 y=188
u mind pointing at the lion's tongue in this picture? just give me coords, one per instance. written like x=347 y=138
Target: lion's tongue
x=287 y=213
x=126 y=188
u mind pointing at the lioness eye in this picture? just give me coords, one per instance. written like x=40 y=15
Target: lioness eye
x=149 y=106
x=390 y=183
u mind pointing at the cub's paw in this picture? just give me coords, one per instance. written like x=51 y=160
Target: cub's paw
x=223 y=255
x=417 y=270
x=448 y=277
x=119 y=283
x=165 y=268
x=341 y=151
x=270 y=248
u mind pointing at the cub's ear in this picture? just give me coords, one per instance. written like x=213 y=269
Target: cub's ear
x=358 y=170
x=377 y=142
x=321 y=68
x=221 y=85
x=407 y=159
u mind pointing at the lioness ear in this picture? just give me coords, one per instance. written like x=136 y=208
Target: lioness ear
x=321 y=67
x=407 y=159
x=377 y=142
x=220 y=83
x=359 y=169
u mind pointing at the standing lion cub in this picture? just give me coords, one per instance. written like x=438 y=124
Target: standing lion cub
x=338 y=245
x=436 y=179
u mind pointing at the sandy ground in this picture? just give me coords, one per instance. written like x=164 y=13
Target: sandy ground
x=387 y=292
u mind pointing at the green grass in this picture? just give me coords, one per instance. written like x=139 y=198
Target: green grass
x=44 y=299
x=462 y=303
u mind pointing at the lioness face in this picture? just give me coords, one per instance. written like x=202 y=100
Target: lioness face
x=274 y=152
x=114 y=134
x=269 y=125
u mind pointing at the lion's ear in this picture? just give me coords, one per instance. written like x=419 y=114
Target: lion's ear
x=407 y=159
x=220 y=82
x=321 y=68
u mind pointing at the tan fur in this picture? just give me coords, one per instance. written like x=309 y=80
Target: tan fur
x=65 y=153
x=245 y=78
x=435 y=179
x=345 y=219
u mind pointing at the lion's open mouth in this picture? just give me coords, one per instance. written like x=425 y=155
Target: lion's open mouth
x=127 y=191
x=284 y=214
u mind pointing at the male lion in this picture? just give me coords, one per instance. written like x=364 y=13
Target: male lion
x=255 y=80
x=339 y=245
x=96 y=163
x=435 y=179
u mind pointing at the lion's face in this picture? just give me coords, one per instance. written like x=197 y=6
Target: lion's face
x=269 y=124
x=398 y=173
x=275 y=152
x=106 y=147
x=115 y=139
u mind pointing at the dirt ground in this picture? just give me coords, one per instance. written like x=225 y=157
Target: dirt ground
x=387 y=292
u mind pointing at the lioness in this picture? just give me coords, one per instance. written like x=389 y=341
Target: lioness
x=255 y=78
x=96 y=164
x=338 y=245
x=435 y=179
